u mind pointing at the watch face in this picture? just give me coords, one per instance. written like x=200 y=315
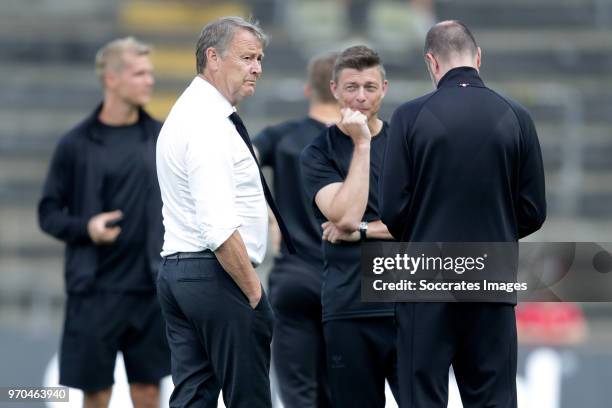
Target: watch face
x=363 y=227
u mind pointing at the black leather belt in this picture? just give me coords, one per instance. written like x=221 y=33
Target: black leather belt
x=207 y=253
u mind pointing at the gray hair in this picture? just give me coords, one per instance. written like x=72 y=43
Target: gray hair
x=219 y=33
x=110 y=56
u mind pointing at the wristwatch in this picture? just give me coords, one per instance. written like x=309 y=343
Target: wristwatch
x=363 y=229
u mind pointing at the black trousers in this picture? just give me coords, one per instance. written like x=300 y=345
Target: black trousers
x=298 y=348
x=217 y=341
x=361 y=354
x=478 y=339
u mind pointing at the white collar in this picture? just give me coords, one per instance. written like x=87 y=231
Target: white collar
x=206 y=88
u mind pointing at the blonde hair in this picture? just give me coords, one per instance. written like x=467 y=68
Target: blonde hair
x=110 y=56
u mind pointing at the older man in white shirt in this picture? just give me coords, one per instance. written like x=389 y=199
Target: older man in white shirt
x=219 y=320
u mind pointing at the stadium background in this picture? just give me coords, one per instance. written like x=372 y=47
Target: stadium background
x=554 y=56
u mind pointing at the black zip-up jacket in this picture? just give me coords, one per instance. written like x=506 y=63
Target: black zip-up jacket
x=72 y=195
x=462 y=164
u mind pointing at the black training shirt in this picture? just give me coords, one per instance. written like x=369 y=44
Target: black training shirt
x=279 y=147
x=462 y=164
x=324 y=162
x=125 y=184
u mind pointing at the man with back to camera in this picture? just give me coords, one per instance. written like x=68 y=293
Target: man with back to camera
x=219 y=321
x=103 y=173
x=340 y=170
x=298 y=350
x=462 y=164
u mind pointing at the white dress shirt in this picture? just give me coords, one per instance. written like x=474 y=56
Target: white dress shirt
x=209 y=181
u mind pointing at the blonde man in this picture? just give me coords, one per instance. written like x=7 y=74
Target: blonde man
x=102 y=199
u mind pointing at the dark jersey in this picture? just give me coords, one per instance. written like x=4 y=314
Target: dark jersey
x=279 y=148
x=462 y=164
x=324 y=162
x=125 y=186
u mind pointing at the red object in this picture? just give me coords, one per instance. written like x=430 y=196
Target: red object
x=550 y=323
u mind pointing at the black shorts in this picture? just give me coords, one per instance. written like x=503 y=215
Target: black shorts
x=99 y=325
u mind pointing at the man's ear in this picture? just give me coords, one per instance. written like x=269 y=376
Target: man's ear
x=212 y=58
x=385 y=87
x=307 y=91
x=432 y=62
x=478 y=57
x=110 y=79
x=334 y=88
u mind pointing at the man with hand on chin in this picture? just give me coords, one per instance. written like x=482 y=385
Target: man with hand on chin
x=340 y=170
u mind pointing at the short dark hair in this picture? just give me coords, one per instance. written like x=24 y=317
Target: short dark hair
x=219 y=34
x=358 y=57
x=449 y=37
x=320 y=70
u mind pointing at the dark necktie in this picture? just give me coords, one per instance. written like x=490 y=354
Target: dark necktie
x=242 y=131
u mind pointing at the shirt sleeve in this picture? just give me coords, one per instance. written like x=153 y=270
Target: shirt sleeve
x=54 y=215
x=532 y=197
x=318 y=171
x=210 y=174
x=395 y=179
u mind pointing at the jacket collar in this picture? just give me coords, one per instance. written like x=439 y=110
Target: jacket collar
x=461 y=76
x=92 y=124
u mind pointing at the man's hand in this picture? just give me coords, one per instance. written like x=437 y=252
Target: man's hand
x=334 y=234
x=255 y=296
x=233 y=257
x=99 y=233
x=355 y=124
